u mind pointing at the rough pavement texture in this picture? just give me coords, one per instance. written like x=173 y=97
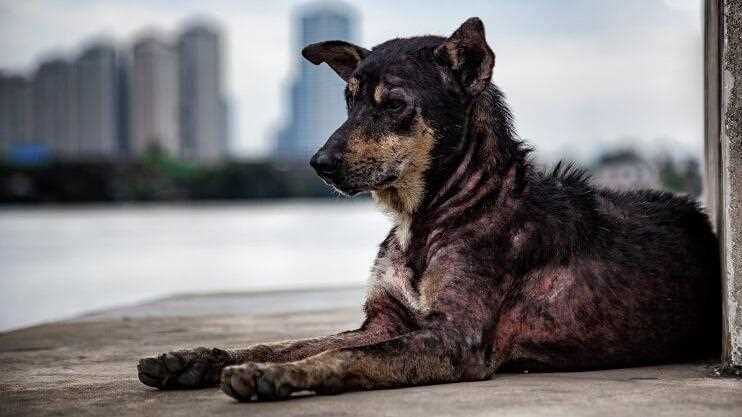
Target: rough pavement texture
x=88 y=367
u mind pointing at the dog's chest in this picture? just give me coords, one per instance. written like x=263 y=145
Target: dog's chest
x=391 y=275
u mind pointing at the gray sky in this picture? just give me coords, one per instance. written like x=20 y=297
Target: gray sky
x=581 y=75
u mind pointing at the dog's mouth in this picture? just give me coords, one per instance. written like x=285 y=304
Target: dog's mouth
x=351 y=191
x=385 y=182
x=333 y=183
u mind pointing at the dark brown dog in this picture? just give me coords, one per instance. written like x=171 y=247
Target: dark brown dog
x=491 y=265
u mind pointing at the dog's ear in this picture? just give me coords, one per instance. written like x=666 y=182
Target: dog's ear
x=343 y=57
x=467 y=54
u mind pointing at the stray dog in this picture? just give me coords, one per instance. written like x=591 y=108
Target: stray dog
x=491 y=265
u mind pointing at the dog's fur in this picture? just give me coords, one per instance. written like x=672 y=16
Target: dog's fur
x=491 y=265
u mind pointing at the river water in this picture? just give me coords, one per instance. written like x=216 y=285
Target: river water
x=61 y=262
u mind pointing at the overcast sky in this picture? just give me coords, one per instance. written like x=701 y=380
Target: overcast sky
x=581 y=75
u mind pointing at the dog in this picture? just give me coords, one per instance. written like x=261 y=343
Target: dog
x=492 y=265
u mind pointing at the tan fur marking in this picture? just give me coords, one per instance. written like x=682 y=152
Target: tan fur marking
x=323 y=366
x=390 y=275
x=410 y=158
x=403 y=231
x=378 y=93
x=367 y=371
x=353 y=86
x=431 y=286
x=355 y=54
x=403 y=196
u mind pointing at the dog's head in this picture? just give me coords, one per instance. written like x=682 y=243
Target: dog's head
x=405 y=99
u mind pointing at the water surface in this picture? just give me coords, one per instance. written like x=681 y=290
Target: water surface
x=61 y=262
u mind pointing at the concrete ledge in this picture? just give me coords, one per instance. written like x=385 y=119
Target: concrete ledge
x=731 y=182
x=723 y=148
x=87 y=367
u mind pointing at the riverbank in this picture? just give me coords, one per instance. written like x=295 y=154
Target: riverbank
x=87 y=366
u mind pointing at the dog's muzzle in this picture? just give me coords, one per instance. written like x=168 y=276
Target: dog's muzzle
x=326 y=164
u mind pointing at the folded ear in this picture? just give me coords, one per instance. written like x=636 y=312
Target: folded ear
x=343 y=57
x=467 y=54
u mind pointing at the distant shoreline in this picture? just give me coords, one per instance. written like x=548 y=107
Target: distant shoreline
x=287 y=201
x=156 y=178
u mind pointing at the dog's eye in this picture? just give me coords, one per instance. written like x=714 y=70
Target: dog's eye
x=395 y=105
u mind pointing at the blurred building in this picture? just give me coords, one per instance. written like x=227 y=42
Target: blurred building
x=154 y=97
x=625 y=170
x=101 y=103
x=16 y=112
x=55 y=110
x=123 y=95
x=203 y=114
x=317 y=102
x=99 y=106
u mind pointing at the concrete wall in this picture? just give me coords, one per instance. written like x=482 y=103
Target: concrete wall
x=723 y=183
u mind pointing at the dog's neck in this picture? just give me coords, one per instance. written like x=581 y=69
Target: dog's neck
x=486 y=157
x=400 y=204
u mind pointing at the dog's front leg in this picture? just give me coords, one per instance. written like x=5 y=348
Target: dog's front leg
x=426 y=356
x=454 y=343
x=201 y=367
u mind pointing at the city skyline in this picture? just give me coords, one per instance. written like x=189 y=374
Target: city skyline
x=579 y=78
x=109 y=102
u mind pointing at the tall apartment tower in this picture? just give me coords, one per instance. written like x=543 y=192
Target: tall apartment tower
x=202 y=106
x=317 y=102
x=154 y=97
x=16 y=112
x=56 y=118
x=101 y=94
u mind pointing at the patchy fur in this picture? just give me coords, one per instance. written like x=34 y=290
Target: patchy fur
x=492 y=265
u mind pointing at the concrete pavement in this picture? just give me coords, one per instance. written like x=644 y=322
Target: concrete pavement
x=87 y=366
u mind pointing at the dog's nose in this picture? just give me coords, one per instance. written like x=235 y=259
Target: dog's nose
x=325 y=162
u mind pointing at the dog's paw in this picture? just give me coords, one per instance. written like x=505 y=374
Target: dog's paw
x=195 y=368
x=258 y=382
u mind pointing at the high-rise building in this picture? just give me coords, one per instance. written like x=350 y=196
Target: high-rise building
x=100 y=88
x=202 y=107
x=56 y=118
x=16 y=112
x=317 y=102
x=123 y=95
x=154 y=97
